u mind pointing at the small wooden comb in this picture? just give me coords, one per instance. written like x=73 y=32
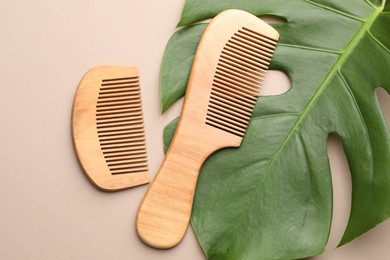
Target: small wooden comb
x=107 y=127
x=228 y=70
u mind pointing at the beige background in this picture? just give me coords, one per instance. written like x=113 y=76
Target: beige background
x=48 y=208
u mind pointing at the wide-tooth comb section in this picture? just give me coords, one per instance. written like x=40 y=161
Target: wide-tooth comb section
x=119 y=123
x=241 y=69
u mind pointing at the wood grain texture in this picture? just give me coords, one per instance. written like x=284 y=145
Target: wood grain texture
x=229 y=67
x=107 y=127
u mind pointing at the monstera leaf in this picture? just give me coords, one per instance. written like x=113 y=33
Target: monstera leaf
x=272 y=197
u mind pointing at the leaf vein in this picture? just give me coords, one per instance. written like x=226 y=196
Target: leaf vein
x=309 y=48
x=355 y=102
x=275 y=115
x=353 y=17
x=256 y=189
x=370 y=4
x=378 y=41
x=304 y=153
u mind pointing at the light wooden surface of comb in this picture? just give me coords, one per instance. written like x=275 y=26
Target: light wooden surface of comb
x=221 y=94
x=108 y=130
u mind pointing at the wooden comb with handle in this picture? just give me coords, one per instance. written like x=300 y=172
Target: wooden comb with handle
x=229 y=67
x=108 y=130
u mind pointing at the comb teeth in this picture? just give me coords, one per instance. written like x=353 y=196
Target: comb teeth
x=240 y=72
x=119 y=123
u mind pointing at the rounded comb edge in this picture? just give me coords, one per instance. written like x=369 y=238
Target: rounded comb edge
x=86 y=124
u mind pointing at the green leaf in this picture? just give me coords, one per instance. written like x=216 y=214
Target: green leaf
x=272 y=197
x=177 y=58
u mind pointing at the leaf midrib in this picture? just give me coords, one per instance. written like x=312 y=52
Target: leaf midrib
x=343 y=57
x=340 y=61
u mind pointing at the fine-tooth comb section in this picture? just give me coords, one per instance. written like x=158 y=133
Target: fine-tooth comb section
x=241 y=69
x=108 y=130
x=119 y=106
